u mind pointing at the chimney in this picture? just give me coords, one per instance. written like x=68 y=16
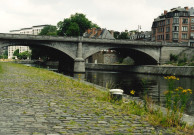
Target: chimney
x=99 y=32
x=93 y=31
x=88 y=31
x=165 y=12
x=112 y=33
x=186 y=8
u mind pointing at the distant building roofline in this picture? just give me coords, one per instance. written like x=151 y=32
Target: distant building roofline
x=25 y=28
x=31 y=27
x=41 y=25
x=14 y=30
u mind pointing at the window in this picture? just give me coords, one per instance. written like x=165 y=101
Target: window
x=154 y=31
x=167 y=21
x=176 y=14
x=160 y=29
x=184 y=36
x=167 y=36
x=192 y=20
x=175 y=35
x=185 y=21
x=192 y=36
x=192 y=27
x=184 y=28
x=175 y=20
x=185 y=14
x=160 y=37
x=175 y=28
x=167 y=29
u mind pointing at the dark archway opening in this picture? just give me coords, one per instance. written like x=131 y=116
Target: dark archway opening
x=140 y=58
x=48 y=54
x=121 y=56
x=44 y=55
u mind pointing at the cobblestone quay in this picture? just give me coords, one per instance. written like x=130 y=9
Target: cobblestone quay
x=39 y=102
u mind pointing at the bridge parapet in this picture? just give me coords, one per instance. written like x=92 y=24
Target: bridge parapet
x=82 y=39
x=37 y=37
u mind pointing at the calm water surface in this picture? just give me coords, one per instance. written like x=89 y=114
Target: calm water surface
x=154 y=84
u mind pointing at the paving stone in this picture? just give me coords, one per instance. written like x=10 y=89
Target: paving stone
x=30 y=105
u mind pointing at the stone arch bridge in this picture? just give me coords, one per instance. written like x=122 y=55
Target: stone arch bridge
x=79 y=48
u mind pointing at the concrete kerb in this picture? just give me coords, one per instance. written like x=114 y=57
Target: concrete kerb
x=186 y=118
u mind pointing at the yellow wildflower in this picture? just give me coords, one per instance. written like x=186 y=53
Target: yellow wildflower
x=184 y=91
x=132 y=92
x=177 y=89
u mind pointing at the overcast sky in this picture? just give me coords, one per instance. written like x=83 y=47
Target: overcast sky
x=116 y=15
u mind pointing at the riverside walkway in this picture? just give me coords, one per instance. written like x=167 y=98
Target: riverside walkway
x=39 y=102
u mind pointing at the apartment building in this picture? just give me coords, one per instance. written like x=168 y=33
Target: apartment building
x=34 y=30
x=177 y=25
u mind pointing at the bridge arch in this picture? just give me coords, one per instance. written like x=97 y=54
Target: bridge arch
x=141 y=56
x=66 y=49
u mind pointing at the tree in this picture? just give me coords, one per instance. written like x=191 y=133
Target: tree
x=73 y=30
x=116 y=34
x=123 y=35
x=5 y=53
x=76 y=25
x=49 y=30
x=24 y=55
x=16 y=52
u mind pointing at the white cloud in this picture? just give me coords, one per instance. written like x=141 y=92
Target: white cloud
x=111 y=14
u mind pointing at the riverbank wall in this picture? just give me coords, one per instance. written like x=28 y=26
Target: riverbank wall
x=146 y=69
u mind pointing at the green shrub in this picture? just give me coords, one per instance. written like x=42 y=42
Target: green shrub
x=191 y=64
x=173 y=57
x=182 y=62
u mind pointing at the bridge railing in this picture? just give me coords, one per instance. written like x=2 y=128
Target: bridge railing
x=82 y=39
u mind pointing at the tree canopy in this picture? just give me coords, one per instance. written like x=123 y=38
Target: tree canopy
x=49 y=30
x=123 y=35
x=23 y=55
x=76 y=25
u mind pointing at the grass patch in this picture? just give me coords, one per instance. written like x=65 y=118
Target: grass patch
x=1 y=70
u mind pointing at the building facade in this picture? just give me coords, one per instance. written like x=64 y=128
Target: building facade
x=177 y=25
x=143 y=35
x=34 y=30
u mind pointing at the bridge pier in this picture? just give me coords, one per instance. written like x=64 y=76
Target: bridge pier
x=79 y=62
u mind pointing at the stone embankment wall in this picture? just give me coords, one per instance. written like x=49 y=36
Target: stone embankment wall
x=147 y=69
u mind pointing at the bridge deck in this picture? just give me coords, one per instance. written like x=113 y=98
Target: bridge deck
x=82 y=39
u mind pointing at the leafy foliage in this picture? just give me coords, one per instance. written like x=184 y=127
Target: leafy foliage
x=173 y=57
x=123 y=35
x=49 y=30
x=23 y=55
x=76 y=25
x=16 y=52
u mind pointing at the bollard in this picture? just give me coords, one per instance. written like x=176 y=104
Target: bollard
x=116 y=94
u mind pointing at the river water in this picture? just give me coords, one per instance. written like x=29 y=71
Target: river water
x=155 y=85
